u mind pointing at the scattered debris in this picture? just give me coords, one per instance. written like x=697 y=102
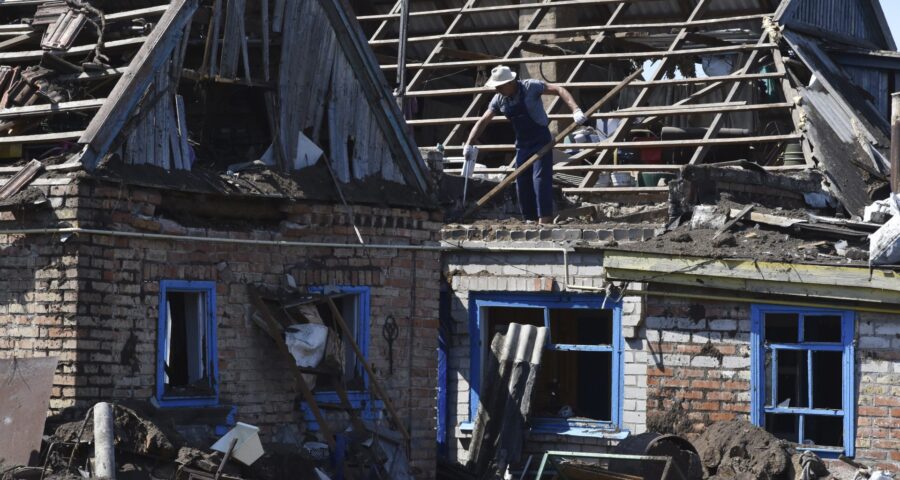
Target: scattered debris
x=735 y=448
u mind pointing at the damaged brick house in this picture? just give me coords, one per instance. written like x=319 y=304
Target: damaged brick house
x=137 y=220
x=709 y=259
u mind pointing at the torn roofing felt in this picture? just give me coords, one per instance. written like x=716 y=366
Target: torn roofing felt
x=211 y=83
x=767 y=91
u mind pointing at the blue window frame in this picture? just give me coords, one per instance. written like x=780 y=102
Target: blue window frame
x=802 y=376
x=187 y=366
x=551 y=308
x=355 y=309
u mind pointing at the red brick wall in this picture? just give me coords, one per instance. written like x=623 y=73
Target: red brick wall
x=699 y=363
x=104 y=294
x=878 y=415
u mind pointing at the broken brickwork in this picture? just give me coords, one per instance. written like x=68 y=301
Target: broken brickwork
x=94 y=299
x=699 y=364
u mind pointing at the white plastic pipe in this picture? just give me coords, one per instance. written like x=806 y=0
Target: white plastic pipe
x=104 y=442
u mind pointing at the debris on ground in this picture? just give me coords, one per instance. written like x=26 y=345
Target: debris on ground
x=147 y=447
x=738 y=449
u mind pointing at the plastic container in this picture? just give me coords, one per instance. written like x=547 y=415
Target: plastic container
x=793 y=154
x=248 y=448
x=652 y=179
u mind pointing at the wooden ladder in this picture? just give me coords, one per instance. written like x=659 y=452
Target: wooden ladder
x=267 y=320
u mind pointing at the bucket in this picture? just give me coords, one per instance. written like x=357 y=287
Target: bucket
x=793 y=154
x=622 y=179
x=652 y=179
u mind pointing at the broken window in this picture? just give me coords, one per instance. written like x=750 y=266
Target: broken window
x=803 y=376
x=578 y=388
x=353 y=305
x=187 y=364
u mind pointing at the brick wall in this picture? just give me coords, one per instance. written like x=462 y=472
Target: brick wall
x=107 y=326
x=686 y=363
x=38 y=290
x=878 y=367
x=698 y=364
x=532 y=272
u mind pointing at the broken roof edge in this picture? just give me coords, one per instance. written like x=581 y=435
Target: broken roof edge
x=356 y=47
x=107 y=124
x=874 y=286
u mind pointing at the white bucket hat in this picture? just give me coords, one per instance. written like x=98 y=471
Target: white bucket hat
x=499 y=76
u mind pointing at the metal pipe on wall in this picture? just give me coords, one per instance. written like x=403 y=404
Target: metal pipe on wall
x=895 y=143
x=400 y=92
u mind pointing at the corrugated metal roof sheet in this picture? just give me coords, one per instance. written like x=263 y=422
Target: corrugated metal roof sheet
x=506 y=395
x=853 y=18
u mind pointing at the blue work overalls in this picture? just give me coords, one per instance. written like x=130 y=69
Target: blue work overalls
x=535 y=185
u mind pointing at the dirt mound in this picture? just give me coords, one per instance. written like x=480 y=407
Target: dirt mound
x=135 y=433
x=738 y=450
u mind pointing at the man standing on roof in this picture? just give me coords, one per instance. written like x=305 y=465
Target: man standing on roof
x=520 y=101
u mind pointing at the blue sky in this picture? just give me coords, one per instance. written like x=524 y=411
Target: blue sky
x=892 y=13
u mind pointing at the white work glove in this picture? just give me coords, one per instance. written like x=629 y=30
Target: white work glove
x=579 y=117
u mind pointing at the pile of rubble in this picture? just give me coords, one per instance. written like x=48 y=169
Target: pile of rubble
x=146 y=448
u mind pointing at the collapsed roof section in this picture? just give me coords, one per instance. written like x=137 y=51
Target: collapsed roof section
x=203 y=86
x=725 y=80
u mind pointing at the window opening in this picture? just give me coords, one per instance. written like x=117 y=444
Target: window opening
x=187 y=346
x=806 y=393
x=577 y=378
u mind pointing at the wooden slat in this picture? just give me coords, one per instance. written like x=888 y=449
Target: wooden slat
x=373 y=379
x=139 y=13
x=716 y=124
x=594 y=57
x=495 y=8
x=233 y=38
x=42 y=138
x=513 y=49
x=663 y=111
x=546 y=148
x=50 y=109
x=591 y=29
x=601 y=85
x=77 y=50
x=651 y=143
x=624 y=127
x=157 y=49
